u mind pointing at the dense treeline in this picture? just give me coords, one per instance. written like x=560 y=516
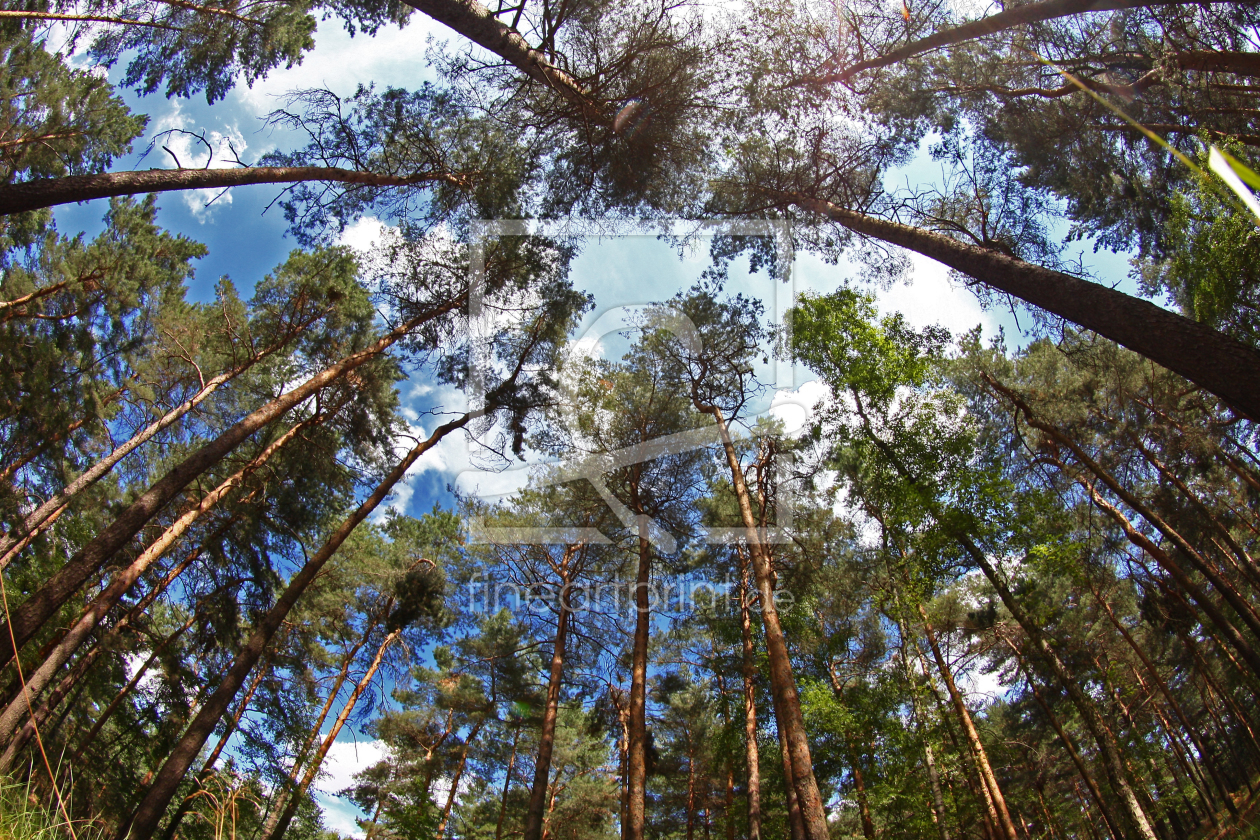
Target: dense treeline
x=987 y=592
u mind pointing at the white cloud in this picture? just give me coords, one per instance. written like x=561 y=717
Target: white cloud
x=340 y=815
x=795 y=409
x=345 y=758
x=182 y=145
x=365 y=234
x=932 y=298
x=340 y=63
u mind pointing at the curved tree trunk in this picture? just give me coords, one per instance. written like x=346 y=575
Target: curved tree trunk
x=147 y=816
x=547 y=737
x=27 y=619
x=17 y=539
x=1222 y=365
x=996 y=801
x=100 y=606
x=50 y=192
x=1007 y=19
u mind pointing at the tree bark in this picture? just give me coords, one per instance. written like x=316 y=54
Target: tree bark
x=547 y=737
x=50 y=192
x=998 y=811
x=476 y=23
x=787 y=704
x=749 y=667
x=100 y=606
x=1222 y=365
x=27 y=619
x=276 y=829
x=20 y=739
x=1007 y=19
x=145 y=820
x=636 y=783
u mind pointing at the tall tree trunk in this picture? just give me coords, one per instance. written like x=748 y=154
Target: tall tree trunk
x=691 y=790
x=547 y=737
x=100 y=606
x=1006 y=19
x=507 y=785
x=459 y=774
x=207 y=768
x=796 y=822
x=149 y=813
x=51 y=192
x=27 y=619
x=275 y=829
x=12 y=543
x=1216 y=362
x=636 y=783
x=787 y=704
x=998 y=811
x=1104 y=809
x=1112 y=760
x=479 y=25
x=749 y=668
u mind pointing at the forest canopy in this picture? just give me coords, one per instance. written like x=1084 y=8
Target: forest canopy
x=987 y=585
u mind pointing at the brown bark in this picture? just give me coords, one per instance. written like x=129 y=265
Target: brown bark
x=100 y=606
x=1007 y=19
x=796 y=822
x=1081 y=768
x=636 y=759
x=459 y=774
x=9 y=543
x=50 y=192
x=749 y=668
x=476 y=23
x=165 y=783
x=275 y=830
x=787 y=704
x=507 y=784
x=1219 y=364
x=27 y=619
x=998 y=811
x=547 y=737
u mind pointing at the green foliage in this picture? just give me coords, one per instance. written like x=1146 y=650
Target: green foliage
x=1212 y=268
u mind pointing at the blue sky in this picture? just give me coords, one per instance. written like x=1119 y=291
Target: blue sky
x=244 y=243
